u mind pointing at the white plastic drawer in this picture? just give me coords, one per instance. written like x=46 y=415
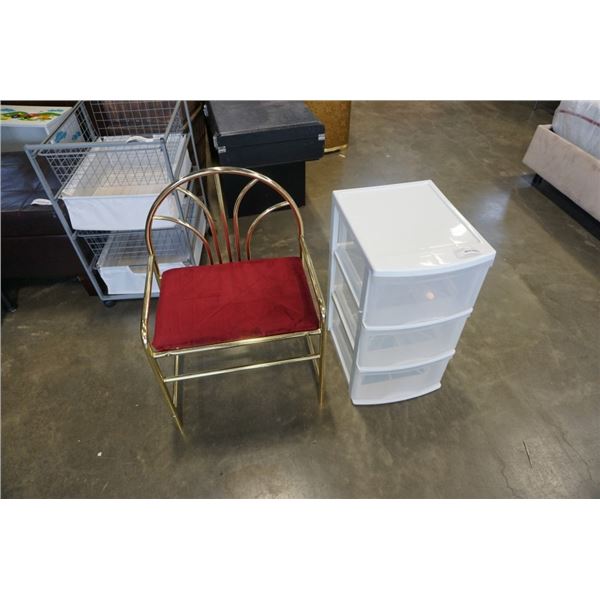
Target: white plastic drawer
x=345 y=301
x=130 y=280
x=392 y=386
x=389 y=349
x=395 y=301
x=351 y=257
x=123 y=261
x=341 y=341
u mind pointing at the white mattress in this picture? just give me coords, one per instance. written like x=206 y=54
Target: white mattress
x=578 y=121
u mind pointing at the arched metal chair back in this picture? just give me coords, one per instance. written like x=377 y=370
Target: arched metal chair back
x=215 y=254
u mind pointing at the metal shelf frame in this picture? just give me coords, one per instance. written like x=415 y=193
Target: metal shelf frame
x=105 y=127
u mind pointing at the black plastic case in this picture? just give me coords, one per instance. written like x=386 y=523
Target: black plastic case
x=272 y=137
x=253 y=134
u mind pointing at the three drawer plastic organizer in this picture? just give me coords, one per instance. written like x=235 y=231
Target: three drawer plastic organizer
x=405 y=271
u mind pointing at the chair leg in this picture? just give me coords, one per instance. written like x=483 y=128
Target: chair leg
x=167 y=396
x=177 y=385
x=7 y=304
x=311 y=349
x=322 y=364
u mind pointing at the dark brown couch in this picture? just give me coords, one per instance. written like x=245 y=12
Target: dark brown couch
x=34 y=244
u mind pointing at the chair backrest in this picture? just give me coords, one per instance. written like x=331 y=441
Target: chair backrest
x=216 y=254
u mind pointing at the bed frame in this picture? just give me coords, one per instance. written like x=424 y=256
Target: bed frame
x=571 y=170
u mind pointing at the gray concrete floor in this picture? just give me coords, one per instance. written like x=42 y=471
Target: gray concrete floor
x=83 y=417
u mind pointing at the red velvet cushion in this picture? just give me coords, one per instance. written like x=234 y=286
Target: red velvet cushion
x=232 y=301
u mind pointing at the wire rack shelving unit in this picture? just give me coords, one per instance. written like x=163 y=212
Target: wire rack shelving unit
x=102 y=169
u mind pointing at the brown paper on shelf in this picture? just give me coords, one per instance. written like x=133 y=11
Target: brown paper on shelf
x=335 y=116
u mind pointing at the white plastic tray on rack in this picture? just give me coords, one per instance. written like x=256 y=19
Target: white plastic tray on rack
x=124 y=258
x=113 y=189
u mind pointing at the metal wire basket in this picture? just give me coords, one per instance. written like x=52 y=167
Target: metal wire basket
x=141 y=147
x=129 y=247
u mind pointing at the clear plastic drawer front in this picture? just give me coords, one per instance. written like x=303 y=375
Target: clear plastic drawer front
x=341 y=341
x=351 y=257
x=393 y=386
x=395 y=301
x=390 y=349
x=345 y=301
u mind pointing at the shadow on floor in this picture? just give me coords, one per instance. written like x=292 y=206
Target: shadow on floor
x=221 y=413
x=564 y=203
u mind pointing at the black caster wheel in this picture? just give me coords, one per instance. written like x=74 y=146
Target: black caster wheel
x=109 y=303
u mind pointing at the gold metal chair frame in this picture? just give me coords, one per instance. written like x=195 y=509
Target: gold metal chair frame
x=173 y=398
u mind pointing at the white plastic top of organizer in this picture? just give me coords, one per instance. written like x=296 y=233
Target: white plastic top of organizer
x=411 y=228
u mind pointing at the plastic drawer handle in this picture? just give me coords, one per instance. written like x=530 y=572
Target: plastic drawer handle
x=138 y=138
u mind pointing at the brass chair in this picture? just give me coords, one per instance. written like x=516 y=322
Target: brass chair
x=234 y=300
